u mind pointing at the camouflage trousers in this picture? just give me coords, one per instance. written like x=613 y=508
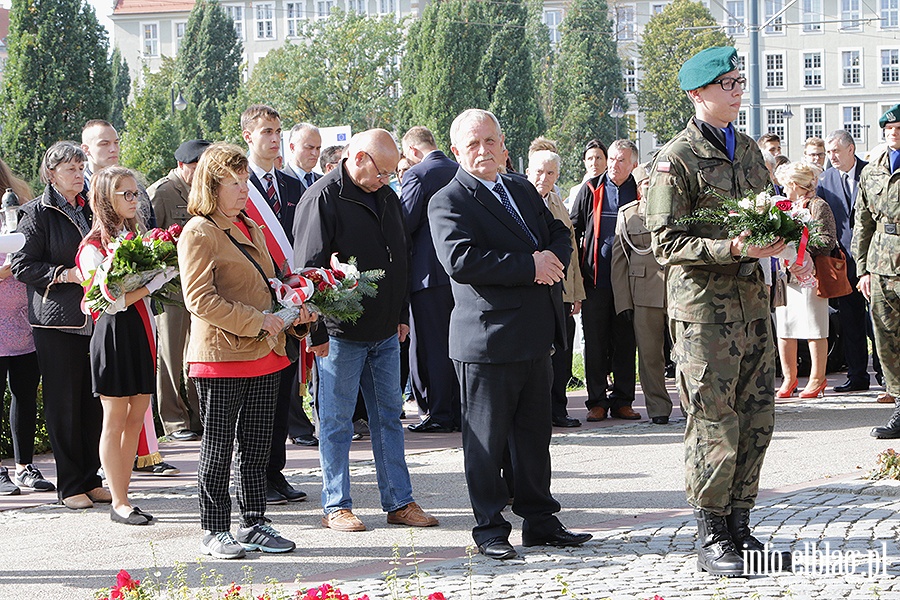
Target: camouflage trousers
x=885 y=301
x=726 y=380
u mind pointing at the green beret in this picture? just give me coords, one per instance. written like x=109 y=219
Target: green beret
x=891 y=116
x=707 y=65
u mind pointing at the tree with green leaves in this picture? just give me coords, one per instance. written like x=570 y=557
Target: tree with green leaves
x=331 y=79
x=587 y=78
x=542 y=55
x=56 y=78
x=209 y=65
x=671 y=37
x=121 y=89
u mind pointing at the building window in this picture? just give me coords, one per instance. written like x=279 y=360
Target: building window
x=774 y=70
x=852 y=121
x=773 y=7
x=180 y=28
x=850 y=67
x=737 y=17
x=812 y=16
x=629 y=77
x=655 y=9
x=850 y=14
x=890 y=66
x=812 y=122
x=890 y=10
x=553 y=19
x=323 y=8
x=358 y=6
x=388 y=7
x=265 y=21
x=625 y=23
x=236 y=12
x=151 y=38
x=812 y=69
x=294 y=12
x=742 y=63
x=741 y=122
x=775 y=121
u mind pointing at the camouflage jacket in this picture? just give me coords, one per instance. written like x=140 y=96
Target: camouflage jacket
x=878 y=202
x=686 y=175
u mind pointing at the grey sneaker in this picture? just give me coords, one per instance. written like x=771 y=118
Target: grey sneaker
x=221 y=545
x=7 y=487
x=263 y=537
x=32 y=478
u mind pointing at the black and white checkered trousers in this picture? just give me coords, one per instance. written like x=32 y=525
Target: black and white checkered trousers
x=243 y=409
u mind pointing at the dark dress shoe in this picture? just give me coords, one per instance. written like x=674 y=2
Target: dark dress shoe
x=305 y=440
x=660 y=420
x=559 y=538
x=498 y=548
x=891 y=431
x=624 y=412
x=429 y=426
x=879 y=377
x=273 y=496
x=566 y=421
x=286 y=491
x=184 y=435
x=852 y=386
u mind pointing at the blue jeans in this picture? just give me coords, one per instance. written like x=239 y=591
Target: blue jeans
x=374 y=368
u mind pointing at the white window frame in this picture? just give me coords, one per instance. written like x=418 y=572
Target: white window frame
x=629 y=75
x=154 y=41
x=240 y=25
x=177 y=39
x=889 y=14
x=293 y=18
x=850 y=14
x=552 y=18
x=844 y=68
x=777 y=124
x=360 y=7
x=657 y=8
x=264 y=21
x=740 y=123
x=772 y=8
x=387 y=7
x=324 y=8
x=818 y=127
x=626 y=22
x=894 y=65
x=811 y=15
x=775 y=85
x=855 y=128
x=736 y=25
x=812 y=70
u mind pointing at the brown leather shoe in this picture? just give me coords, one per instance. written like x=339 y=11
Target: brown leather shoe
x=343 y=520
x=884 y=398
x=412 y=515
x=78 y=502
x=100 y=495
x=598 y=413
x=624 y=412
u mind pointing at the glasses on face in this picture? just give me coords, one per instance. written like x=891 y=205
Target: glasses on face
x=129 y=195
x=728 y=83
x=815 y=154
x=380 y=174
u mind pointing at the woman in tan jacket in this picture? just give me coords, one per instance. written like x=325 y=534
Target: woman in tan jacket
x=236 y=351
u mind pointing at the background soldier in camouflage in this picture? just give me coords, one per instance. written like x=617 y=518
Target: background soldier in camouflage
x=718 y=308
x=876 y=246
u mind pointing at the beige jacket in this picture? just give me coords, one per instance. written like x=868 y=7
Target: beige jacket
x=224 y=292
x=637 y=279
x=573 y=285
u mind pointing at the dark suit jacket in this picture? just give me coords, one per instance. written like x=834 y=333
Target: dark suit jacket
x=289 y=192
x=831 y=189
x=500 y=315
x=420 y=182
x=289 y=170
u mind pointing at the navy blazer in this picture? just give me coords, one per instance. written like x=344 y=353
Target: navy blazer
x=500 y=315
x=420 y=183
x=831 y=189
x=292 y=172
x=289 y=192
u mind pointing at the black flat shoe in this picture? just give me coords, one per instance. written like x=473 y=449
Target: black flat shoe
x=498 y=549
x=566 y=421
x=429 y=426
x=305 y=440
x=140 y=512
x=660 y=420
x=559 y=538
x=184 y=435
x=852 y=386
x=133 y=518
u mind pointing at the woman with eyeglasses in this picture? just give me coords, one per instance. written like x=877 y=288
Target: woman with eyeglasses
x=804 y=315
x=123 y=361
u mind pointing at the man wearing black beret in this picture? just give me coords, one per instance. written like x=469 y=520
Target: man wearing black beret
x=169 y=196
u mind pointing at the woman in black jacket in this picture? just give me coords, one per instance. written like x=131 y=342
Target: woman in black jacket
x=54 y=226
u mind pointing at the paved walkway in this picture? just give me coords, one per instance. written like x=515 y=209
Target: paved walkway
x=623 y=481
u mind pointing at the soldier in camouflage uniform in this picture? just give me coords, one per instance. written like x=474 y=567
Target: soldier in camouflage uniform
x=718 y=306
x=876 y=246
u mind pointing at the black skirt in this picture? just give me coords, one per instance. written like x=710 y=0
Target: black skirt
x=121 y=361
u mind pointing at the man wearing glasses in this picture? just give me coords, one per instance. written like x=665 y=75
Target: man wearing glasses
x=814 y=152
x=352 y=211
x=718 y=306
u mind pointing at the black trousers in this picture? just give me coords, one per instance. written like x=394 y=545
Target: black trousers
x=609 y=347
x=24 y=376
x=562 y=368
x=73 y=414
x=507 y=404
x=288 y=396
x=432 y=373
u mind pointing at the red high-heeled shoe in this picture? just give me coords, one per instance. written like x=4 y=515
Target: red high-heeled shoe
x=786 y=393
x=819 y=391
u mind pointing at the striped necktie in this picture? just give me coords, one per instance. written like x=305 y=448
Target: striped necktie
x=272 y=195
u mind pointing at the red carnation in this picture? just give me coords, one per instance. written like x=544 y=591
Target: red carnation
x=174 y=230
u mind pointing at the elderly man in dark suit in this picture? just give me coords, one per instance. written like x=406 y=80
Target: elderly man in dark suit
x=506 y=256
x=839 y=186
x=431 y=300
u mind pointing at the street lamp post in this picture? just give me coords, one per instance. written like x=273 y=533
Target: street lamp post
x=786 y=115
x=616 y=113
x=178 y=103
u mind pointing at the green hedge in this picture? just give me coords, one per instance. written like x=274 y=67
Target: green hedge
x=41 y=439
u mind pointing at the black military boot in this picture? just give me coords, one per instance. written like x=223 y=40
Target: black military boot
x=890 y=431
x=716 y=553
x=758 y=559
